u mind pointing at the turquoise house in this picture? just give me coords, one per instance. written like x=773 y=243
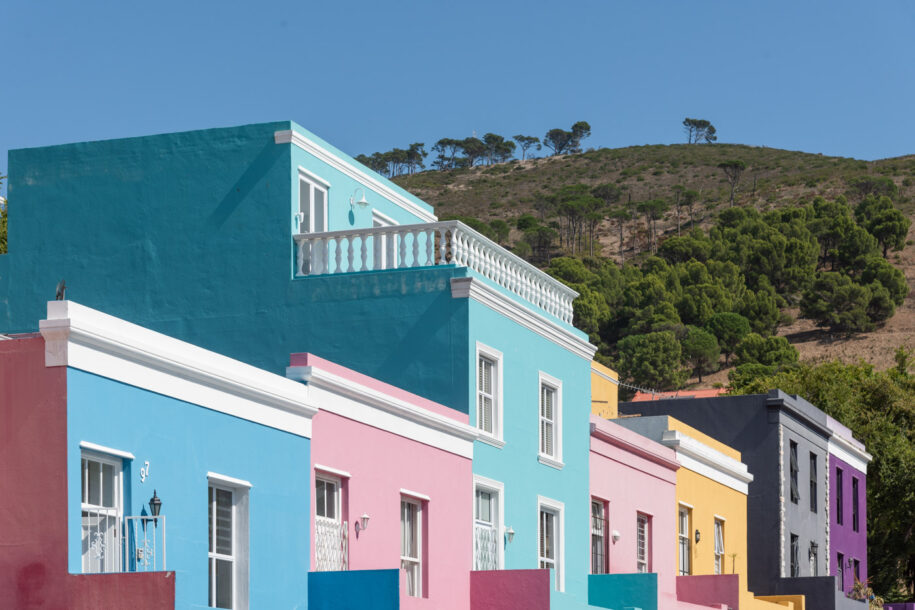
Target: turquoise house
x=263 y=240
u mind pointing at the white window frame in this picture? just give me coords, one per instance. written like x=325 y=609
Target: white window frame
x=497 y=488
x=684 y=539
x=551 y=382
x=719 y=545
x=315 y=183
x=115 y=460
x=418 y=560
x=484 y=351
x=558 y=509
x=643 y=555
x=338 y=503
x=601 y=532
x=240 y=541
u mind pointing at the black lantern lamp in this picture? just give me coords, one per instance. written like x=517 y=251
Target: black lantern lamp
x=155 y=505
x=698 y=537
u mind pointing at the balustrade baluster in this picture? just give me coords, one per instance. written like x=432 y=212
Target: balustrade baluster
x=363 y=253
x=349 y=253
x=430 y=247
x=403 y=250
x=300 y=257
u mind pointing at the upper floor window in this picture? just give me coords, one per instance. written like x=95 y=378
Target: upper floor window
x=643 y=543
x=840 y=568
x=598 y=537
x=411 y=545
x=487 y=524
x=814 y=559
x=228 y=542
x=813 y=482
x=840 y=493
x=312 y=204
x=795 y=492
x=330 y=529
x=683 y=529
x=854 y=503
x=719 y=546
x=489 y=391
x=101 y=507
x=550 y=420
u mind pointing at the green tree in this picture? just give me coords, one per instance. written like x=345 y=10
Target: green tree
x=651 y=360
x=882 y=220
x=500 y=229
x=699 y=130
x=498 y=149
x=729 y=328
x=557 y=140
x=732 y=170
x=879 y=270
x=768 y=351
x=526 y=142
x=834 y=300
x=700 y=348
x=474 y=149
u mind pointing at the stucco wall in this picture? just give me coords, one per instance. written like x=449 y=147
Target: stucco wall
x=842 y=538
x=604 y=393
x=182 y=443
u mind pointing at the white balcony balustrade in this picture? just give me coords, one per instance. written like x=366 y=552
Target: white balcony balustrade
x=144 y=544
x=112 y=543
x=485 y=547
x=330 y=545
x=430 y=244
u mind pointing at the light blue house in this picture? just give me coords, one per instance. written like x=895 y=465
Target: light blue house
x=263 y=240
x=179 y=459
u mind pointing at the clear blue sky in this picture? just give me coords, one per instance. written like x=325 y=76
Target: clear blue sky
x=833 y=77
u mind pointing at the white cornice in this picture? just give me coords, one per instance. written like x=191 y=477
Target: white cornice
x=361 y=403
x=848 y=453
x=89 y=340
x=288 y=136
x=476 y=289
x=711 y=463
x=643 y=451
x=604 y=375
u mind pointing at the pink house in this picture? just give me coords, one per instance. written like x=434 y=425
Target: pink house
x=392 y=480
x=633 y=488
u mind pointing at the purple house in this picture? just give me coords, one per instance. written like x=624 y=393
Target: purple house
x=847 y=506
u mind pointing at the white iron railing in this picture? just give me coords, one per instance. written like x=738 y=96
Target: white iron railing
x=330 y=545
x=144 y=544
x=423 y=245
x=485 y=547
x=101 y=540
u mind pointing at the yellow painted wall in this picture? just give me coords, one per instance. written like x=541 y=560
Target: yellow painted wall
x=710 y=499
x=604 y=393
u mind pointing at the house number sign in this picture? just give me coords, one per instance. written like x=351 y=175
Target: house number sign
x=144 y=472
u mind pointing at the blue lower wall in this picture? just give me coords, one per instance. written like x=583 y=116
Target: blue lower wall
x=182 y=443
x=356 y=590
x=619 y=591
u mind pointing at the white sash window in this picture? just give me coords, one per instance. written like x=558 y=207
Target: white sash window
x=684 y=540
x=411 y=545
x=101 y=513
x=719 y=546
x=643 y=542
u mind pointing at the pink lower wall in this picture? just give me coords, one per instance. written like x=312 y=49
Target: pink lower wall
x=634 y=474
x=381 y=464
x=510 y=590
x=721 y=589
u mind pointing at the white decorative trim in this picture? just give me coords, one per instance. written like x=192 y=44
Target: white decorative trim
x=469 y=287
x=496 y=439
x=333 y=471
x=384 y=218
x=848 y=453
x=710 y=463
x=548 y=461
x=89 y=340
x=560 y=509
x=288 y=136
x=376 y=408
x=719 y=517
x=222 y=479
x=414 y=494
x=603 y=375
x=489 y=440
x=497 y=487
x=686 y=504
x=313 y=177
x=106 y=450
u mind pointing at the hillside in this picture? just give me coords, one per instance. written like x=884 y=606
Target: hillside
x=773 y=179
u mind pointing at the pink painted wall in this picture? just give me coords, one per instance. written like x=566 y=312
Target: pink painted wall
x=381 y=464
x=510 y=590
x=635 y=474
x=721 y=589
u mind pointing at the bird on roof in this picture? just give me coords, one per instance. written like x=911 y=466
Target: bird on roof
x=61 y=290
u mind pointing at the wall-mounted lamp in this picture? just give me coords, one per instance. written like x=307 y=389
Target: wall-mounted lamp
x=155 y=506
x=814 y=547
x=362 y=203
x=615 y=535
x=697 y=536
x=299 y=219
x=510 y=534
x=363 y=523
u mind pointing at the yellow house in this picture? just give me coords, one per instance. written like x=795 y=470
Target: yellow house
x=604 y=391
x=711 y=537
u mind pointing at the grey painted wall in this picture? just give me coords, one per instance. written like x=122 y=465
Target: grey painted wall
x=754 y=425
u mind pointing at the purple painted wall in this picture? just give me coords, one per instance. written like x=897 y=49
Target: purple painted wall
x=842 y=537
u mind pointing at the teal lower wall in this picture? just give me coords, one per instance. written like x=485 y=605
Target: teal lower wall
x=623 y=591
x=355 y=590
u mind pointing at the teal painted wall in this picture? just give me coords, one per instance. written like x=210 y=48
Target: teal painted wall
x=621 y=591
x=183 y=442
x=360 y=589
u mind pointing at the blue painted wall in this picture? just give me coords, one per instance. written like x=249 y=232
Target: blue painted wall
x=361 y=589
x=620 y=591
x=182 y=442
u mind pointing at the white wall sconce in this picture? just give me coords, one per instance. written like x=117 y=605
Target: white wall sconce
x=362 y=203
x=510 y=534
x=615 y=534
x=299 y=218
x=363 y=523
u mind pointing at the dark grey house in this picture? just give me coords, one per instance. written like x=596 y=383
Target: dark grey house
x=783 y=440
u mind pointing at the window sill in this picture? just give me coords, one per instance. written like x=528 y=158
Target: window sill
x=551 y=462
x=498 y=443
